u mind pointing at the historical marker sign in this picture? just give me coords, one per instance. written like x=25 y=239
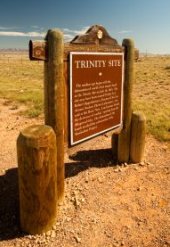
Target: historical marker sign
x=96 y=93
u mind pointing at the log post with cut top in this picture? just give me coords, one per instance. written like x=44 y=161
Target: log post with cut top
x=36 y=150
x=138 y=129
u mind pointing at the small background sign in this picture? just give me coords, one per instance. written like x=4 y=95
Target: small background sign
x=96 y=93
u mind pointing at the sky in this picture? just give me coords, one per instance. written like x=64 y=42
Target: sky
x=147 y=22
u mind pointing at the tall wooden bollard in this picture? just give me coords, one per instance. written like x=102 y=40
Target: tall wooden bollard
x=124 y=136
x=54 y=100
x=36 y=150
x=138 y=129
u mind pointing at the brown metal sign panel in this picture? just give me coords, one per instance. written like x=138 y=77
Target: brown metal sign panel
x=96 y=93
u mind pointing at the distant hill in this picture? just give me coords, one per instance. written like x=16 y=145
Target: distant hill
x=9 y=50
x=147 y=54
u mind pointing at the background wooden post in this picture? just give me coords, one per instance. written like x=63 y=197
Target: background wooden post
x=54 y=99
x=36 y=149
x=124 y=136
x=138 y=129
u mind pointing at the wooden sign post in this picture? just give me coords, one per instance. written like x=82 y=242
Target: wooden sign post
x=88 y=91
x=124 y=136
x=54 y=99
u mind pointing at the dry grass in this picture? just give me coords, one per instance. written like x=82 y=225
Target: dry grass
x=152 y=94
x=21 y=81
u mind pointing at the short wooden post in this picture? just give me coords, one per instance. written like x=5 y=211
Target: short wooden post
x=138 y=129
x=36 y=150
x=54 y=99
x=124 y=136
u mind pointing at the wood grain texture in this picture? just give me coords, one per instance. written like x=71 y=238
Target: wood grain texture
x=128 y=82
x=124 y=137
x=123 y=146
x=96 y=34
x=37 y=170
x=138 y=130
x=54 y=99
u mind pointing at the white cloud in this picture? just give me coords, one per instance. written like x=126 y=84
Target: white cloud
x=7 y=28
x=69 y=34
x=35 y=34
x=35 y=26
x=22 y=34
x=125 y=31
x=68 y=37
x=81 y=31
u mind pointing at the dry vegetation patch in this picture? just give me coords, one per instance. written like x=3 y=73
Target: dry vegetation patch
x=21 y=80
x=151 y=94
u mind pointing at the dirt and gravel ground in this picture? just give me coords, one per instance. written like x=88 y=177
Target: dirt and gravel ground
x=106 y=204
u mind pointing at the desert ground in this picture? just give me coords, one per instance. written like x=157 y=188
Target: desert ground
x=106 y=204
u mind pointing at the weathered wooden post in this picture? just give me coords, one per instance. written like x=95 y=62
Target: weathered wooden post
x=36 y=149
x=54 y=99
x=138 y=129
x=129 y=144
x=124 y=136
